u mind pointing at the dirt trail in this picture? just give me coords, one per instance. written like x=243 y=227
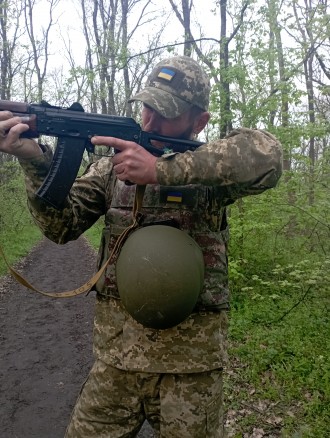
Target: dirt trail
x=45 y=343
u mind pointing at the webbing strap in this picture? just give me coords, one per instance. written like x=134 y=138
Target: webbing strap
x=139 y=193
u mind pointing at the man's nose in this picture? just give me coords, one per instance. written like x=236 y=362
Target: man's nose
x=153 y=122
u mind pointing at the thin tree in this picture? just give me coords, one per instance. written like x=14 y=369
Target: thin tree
x=10 y=33
x=39 y=46
x=111 y=29
x=311 y=36
x=219 y=74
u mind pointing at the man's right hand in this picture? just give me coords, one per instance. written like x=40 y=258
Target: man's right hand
x=10 y=142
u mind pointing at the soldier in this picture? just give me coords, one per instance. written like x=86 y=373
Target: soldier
x=159 y=345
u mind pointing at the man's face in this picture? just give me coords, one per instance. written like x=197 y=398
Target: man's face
x=180 y=127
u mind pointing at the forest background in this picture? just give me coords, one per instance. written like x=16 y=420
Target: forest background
x=270 y=68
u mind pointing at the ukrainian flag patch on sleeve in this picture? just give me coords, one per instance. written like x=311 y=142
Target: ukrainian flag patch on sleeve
x=167 y=74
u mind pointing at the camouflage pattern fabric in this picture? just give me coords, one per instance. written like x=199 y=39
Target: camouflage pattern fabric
x=114 y=404
x=198 y=344
x=172 y=377
x=246 y=162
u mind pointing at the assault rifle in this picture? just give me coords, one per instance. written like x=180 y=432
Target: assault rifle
x=74 y=128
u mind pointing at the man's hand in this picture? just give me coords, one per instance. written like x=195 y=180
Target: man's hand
x=133 y=163
x=10 y=142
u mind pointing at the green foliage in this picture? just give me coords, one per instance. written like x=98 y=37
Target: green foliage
x=94 y=233
x=279 y=328
x=17 y=230
x=280 y=282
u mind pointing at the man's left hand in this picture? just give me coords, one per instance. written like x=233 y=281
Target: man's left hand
x=132 y=163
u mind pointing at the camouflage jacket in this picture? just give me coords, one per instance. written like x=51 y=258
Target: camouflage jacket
x=194 y=190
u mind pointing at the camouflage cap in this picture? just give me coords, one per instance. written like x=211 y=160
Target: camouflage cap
x=174 y=86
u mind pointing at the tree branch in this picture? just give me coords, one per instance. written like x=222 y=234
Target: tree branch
x=292 y=307
x=169 y=45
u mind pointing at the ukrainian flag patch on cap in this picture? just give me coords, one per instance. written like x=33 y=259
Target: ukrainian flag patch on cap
x=166 y=73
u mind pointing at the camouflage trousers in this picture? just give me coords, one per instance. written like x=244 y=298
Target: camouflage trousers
x=114 y=404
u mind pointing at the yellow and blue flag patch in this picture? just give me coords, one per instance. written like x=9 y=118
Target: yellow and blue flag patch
x=174 y=197
x=177 y=196
x=167 y=74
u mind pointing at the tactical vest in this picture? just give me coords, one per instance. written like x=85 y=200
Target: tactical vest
x=195 y=209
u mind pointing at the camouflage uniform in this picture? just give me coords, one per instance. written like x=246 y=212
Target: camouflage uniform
x=173 y=377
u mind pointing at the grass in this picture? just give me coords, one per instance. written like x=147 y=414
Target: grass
x=18 y=234
x=277 y=382
x=15 y=248
x=93 y=235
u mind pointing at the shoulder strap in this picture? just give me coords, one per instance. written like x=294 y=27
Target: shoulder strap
x=85 y=288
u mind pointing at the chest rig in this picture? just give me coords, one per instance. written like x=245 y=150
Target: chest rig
x=195 y=209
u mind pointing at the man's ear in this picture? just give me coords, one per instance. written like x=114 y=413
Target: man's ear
x=201 y=121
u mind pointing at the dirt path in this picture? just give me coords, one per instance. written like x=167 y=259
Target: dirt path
x=45 y=344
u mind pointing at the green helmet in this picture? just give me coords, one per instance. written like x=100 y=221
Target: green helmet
x=160 y=272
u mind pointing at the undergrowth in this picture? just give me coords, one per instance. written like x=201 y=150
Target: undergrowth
x=18 y=233
x=278 y=378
